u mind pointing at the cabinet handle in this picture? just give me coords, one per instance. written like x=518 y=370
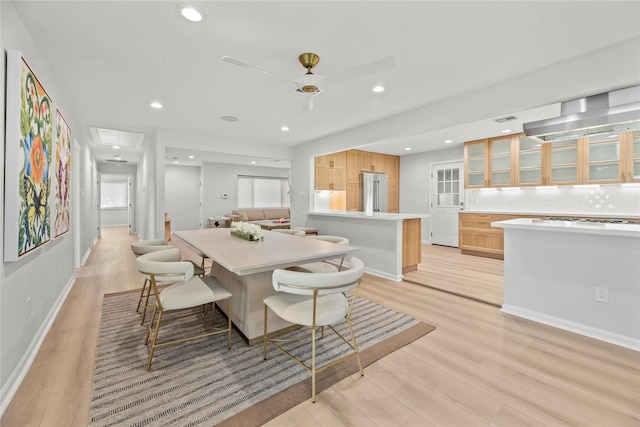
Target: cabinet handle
x=485 y=182
x=373 y=168
x=622 y=177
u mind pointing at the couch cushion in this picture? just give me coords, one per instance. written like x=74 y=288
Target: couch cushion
x=254 y=214
x=276 y=213
x=241 y=214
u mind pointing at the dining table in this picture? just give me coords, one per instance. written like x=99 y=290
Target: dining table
x=245 y=269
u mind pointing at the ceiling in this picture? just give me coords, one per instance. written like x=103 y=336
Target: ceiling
x=111 y=59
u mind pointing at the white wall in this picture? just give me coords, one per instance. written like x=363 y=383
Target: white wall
x=45 y=275
x=183 y=196
x=220 y=178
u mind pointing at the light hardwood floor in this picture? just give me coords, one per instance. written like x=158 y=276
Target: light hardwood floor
x=479 y=367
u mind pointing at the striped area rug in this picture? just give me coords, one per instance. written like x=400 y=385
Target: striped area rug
x=202 y=383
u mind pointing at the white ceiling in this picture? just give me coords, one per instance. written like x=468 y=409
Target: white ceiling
x=459 y=65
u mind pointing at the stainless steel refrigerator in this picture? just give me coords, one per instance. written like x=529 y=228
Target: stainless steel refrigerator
x=373 y=193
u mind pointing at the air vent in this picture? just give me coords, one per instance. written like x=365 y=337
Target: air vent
x=505 y=119
x=116 y=161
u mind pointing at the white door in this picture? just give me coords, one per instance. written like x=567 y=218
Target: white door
x=446 y=201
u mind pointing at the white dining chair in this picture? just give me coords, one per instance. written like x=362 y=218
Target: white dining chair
x=188 y=292
x=323 y=266
x=314 y=301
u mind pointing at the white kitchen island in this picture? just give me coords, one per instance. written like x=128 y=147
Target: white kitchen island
x=389 y=244
x=579 y=276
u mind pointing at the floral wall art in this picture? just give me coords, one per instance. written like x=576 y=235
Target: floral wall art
x=62 y=168
x=28 y=153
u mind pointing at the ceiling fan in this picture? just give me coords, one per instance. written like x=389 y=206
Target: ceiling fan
x=310 y=84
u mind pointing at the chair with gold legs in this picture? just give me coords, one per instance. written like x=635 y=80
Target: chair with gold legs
x=188 y=292
x=140 y=248
x=323 y=266
x=314 y=301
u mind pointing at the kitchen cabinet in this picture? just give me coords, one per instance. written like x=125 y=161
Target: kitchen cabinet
x=392 y=168
x=501 y=161
x=372 y=162
x=393 y=198
x=476 y=235
x=611 y=158
x=475 y=164
x=331 y=172
x=529 y=162
x=341 y=172
x=563 y=160
x=489 y=162
x=333 y=160
x=632 y=156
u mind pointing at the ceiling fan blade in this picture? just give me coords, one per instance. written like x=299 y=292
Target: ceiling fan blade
x=307 y=102
x=375 y=67
x=236 y=61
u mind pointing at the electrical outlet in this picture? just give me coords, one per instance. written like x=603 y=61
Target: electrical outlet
x=27 y=304
x=601 y=294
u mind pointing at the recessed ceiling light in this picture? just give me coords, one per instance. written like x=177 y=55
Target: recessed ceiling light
x=176 y=162
x=284 y=128
x=117 y=157
x=378 y=89
x=407 y=148
x=192 y=157
x=116 y=147
x=229 y=118
x=156 y=104
x=190 y=13
x=253 y=162
x=506 y=130
x=448 y=141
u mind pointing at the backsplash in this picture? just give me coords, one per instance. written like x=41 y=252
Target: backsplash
x=609 y=200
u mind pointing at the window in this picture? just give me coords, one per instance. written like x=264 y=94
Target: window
x=114 y=194
x=263 y=192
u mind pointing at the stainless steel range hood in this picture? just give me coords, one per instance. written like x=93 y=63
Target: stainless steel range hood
x=614 y=111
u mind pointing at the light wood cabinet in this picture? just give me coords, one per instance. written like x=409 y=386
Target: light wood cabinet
x=477 y=237
x=353 y=165
x=631 y=144
x=475 y=164
x=393 y=198
x=341 y=172
x=331 y=179
x=411 y=244
x=529 y=162
x=331 y=172
x=611 y=158
x=372 y=162
x=392 y=168
x=500 y=154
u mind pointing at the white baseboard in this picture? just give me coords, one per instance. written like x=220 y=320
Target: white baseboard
x=578 y=328
x=85 y=256
x=382 y=274
x=17 y=376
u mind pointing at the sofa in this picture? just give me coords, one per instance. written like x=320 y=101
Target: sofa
x=259 y=214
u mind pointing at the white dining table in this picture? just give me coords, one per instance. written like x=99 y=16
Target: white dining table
x=245 y=269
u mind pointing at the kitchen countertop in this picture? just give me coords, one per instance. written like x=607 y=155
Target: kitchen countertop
x=620 y=230
x=567 y=214
x=375 y=216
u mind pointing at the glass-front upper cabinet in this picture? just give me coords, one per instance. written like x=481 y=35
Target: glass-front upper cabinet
x=563 y=160
x=603 y=159
x=501 y=150
x=632 y=150
x=475 y=164
x=529 y=166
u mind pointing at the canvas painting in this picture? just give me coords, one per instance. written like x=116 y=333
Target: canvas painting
x=28 y=144
x=62 y=168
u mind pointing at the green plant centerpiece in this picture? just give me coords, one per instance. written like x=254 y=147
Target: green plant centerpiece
x=246 y=231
